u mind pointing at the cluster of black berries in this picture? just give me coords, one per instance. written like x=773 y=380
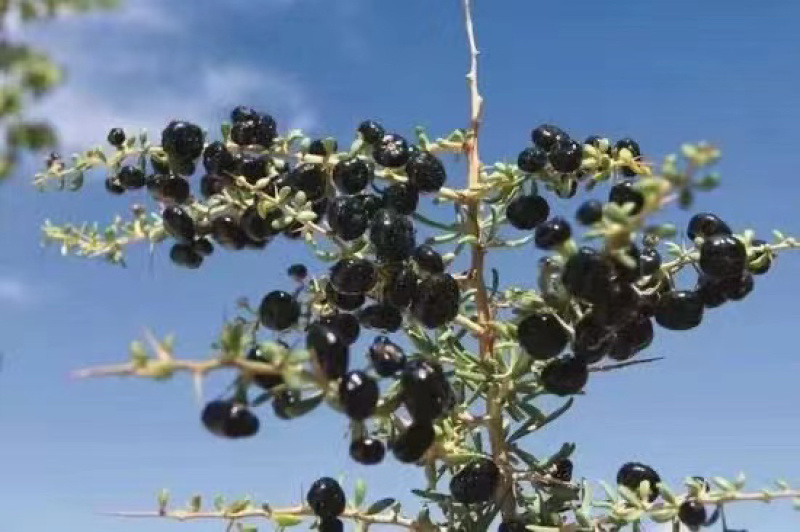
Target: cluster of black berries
x=327 y=500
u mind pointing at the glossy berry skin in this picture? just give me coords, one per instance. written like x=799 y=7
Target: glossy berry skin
x=381 y=316
x=562 y=469
x=625 y=192
x=113 y=186
x=476 y=482
x=547 y=136
x=309 y=178
x=351 y=176
x=229 y=420
x=436 y=300
x=317 y=147
x=587 y=275
x=371 y=131
x=632 y=474
x=426 y=172
x=705 y=224
x=131 y=177
x=630 y=145
x=542 y=336
x=330 y=351
x=326 y=498
x=692 y=514
x=593 y=140
x=346 y=325
x=182 y=141
x=737 y=288
x=649 y=261
x=371 y=204
x=679 y=311
x=179 y=224
x=392 y=235
x=567 y=156
x=266 y=382
x=279 y=310
x=564 y=376
x=347 y=302
x=284 y=403
x=241 y=113
x=711 y=291
x=426 y=392
x=391 y=151
x=428 y=259
x=217 y=159
x=723 y=256
x=184 y=255
x=331 y=525
x=531 y=160
x=256 y=227
x=411 y=445
x=227 y=232
x=400 y=287
x=592 y=339
x=552 y=233
x=347 y=217
x=590 y=212
x=367 y=451
x=211 y=184
x=387 y=357
x=298 y=272
x=633 y=337
x=252 y=167
x=173 y=189
x=527 y=211
x=116 y=137
x=352 y=276
x=403 y=198
x=358 y=394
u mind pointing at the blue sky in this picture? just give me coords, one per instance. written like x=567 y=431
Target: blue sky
x=665 y=72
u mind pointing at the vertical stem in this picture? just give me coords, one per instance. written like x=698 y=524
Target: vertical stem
x=494 y=400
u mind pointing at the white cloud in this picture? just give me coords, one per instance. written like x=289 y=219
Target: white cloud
x=16 y=293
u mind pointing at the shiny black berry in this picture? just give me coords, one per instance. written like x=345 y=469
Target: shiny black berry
x=184 y=255
x=401 y=197
x=566 y=156
x=227 y=232
x=711 y=291
x=308 y=178
x=182 y=141
x=331 y=525
x=625 y=192
x=632 y=474
x=592 y=340
x=256 y=227
x=547 y=136
x=265 y=381
x=587 y=275
x=241 y=113
x=387 y=357
x=381 y=316
x=680 y=310
x=705 y=224
x=371 y=131
x=562 y=469
x=723 y=256
x=410 y=445
x=330 y=351
x=174 y=189
x=116 y=137
x=371 y=204
x=436 y=300
x=649 y=261
x=351 y=176
x=353 y=276
x=131 y=177
x=343 y=301
x=217 y=159
x=347 y=217
x=285 y=404
x=252 y=167
x=400 y=286
x=113 y=186
x=476 y=482
x=279 y=310
x=564 y=376
x=426 y=392
x=244 y=132
x=367 y=451
x=426 y=172
x=737 y=288
x=229 y=420
x=266 y=130
x=346 y=325
x=211 y=184
x=317 y=147
x=326 y=498
x=358 y=394
x=692 y=514
x=527 y=211
x=391 y=151
x=298 y=272
x=633 y=337
x=593 y=140
x=630 y=145
x=542 y=336
x=590 y=212
x=532 y=160
x=552 y=233
x=392 y=235
x=428 y=259
x=179 y=224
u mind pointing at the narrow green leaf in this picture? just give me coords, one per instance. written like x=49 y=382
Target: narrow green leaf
x=360 y=492
x=379 y=506
x=286 y=520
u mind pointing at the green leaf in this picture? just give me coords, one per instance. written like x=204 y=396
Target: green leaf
x=360 y=492
x=724 y=484
x=379 y=506
x=431 y=495
x=286 y=520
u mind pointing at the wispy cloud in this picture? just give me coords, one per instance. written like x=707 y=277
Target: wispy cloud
x=16 y=293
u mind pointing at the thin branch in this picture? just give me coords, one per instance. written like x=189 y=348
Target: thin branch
x=155 y=368
x=613 y=367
